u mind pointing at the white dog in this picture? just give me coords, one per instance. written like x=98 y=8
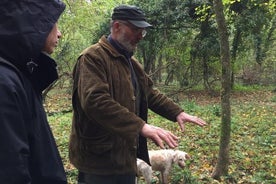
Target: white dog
x=144 y=170
x=162 y=160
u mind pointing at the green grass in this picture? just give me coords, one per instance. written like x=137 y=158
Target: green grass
x=61 y=127
x=253 y=140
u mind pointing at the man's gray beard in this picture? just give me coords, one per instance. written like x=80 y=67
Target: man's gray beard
x=125 y=43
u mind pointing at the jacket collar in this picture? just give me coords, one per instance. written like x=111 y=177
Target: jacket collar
x=42 y=72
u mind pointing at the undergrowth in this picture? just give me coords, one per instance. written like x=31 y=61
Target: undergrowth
x=253 y=140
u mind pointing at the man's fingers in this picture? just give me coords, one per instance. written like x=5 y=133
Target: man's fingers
x=182 y=126
x=170 y=139
x=198 y=121
x=158 y=141
x=160 y=136
x=184 y=117
x=201 y=122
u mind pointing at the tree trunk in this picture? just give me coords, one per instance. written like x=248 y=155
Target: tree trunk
x=223 y=157
x=236 y=43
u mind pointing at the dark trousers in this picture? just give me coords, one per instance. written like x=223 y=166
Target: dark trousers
x=85 y=178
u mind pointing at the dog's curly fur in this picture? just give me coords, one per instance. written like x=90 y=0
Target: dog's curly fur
x=162 y=160
x=144 y=170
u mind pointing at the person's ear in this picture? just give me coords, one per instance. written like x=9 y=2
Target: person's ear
x=116 y=25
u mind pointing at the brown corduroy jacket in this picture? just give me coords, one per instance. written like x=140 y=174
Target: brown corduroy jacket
x=105 y=128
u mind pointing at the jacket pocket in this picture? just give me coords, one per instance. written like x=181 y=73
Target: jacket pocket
x=97 y=149
x=123 y=153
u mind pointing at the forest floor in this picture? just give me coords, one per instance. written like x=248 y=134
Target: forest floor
x=253 y=136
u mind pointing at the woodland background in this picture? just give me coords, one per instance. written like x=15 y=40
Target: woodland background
x=182 y=55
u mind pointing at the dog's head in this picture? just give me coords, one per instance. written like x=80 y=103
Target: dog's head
x=180 y=157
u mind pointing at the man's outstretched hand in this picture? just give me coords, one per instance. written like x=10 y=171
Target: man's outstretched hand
x=159 y=136
x=183 y=117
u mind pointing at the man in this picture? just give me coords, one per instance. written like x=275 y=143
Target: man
x=28 y=34
x=111 y=97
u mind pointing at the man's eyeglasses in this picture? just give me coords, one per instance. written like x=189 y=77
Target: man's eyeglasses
x=135 y=29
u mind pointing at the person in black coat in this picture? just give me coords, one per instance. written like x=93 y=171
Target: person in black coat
x=28 y=35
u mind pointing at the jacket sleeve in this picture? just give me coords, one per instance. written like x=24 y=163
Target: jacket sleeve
x=14 y=149
x=160 y=103
x=96 y=100
x=157 y=102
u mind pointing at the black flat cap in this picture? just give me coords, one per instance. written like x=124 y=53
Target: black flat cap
x=132 y=14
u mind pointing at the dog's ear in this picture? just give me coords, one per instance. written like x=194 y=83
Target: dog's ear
x=187 y=156
x=175 y=157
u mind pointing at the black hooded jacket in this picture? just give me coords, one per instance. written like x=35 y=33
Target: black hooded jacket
x=28 y=152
